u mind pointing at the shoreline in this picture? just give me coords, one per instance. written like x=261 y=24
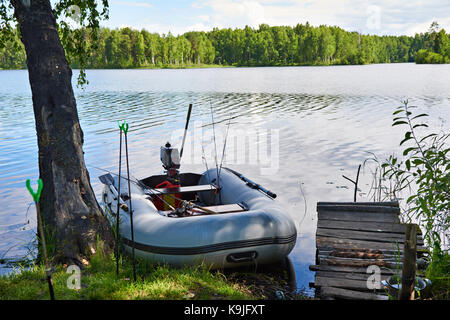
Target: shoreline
x=218 y=66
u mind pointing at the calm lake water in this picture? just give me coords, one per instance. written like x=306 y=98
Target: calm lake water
x=311 y=125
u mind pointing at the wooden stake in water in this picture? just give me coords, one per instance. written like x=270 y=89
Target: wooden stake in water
x=409 y=263
x=354 y=182
x=48 y=270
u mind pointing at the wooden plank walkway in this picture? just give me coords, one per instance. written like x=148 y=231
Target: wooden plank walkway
x=350 y=237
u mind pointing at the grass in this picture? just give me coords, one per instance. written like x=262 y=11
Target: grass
x=439 y=274
x=99 y=282
x=160 y=66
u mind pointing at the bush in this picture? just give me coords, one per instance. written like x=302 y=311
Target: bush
x=429 y=57
x=425 y=166
x=439 y=274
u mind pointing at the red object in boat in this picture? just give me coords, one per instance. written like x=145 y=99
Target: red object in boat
x=174 y=199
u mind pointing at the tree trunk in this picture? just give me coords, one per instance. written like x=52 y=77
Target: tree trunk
x=72 y=217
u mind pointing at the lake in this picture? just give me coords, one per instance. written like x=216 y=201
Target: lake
x=294 y=130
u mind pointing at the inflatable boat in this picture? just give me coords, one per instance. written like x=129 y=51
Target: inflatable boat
x=218 y=218
x=235 y=224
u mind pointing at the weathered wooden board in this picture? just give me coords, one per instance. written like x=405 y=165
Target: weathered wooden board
x=372 y=204
x=340 y=293
x=360 y=254
x=350 y=238
x=357 y=216
x=364 y=261
x=339 y=243
x=394 y=256
x=362 y=226
x=361 y=235
x=360 y=263
x=349 y=275
x=353 y=270
x=343 y=283
x=336 y=229
x=359 y=208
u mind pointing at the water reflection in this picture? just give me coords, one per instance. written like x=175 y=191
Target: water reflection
x=326 y=129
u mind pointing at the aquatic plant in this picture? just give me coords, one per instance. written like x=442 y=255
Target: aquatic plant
x=425 y=168
x=424 y=171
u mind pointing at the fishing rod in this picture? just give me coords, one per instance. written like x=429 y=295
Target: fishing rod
x=223 y=151
x=252 y=184
x=152 y=192
x=206 y=165
x=185 y=129
x=215 y=147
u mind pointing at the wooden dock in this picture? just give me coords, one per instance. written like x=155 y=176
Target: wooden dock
x=351 y=237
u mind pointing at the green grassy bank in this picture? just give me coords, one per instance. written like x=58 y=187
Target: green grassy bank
x=99 y=282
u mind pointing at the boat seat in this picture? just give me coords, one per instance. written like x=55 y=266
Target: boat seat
x=227 y=208
x=196 y=188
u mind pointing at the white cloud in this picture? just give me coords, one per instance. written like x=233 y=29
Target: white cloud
x=175 y=30
x=132 y=3
x=413 y=28
x=204 y=18
x=236 y=13
x=381 y=17
x=390 y=17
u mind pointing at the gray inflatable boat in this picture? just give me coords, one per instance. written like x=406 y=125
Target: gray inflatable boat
x=218 y=218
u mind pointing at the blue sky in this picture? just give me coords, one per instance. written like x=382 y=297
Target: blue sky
x=374 y=17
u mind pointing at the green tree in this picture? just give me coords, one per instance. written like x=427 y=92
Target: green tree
x=327 y=45
x=68 y=204
x=151 y=46
x=112 y=52
x=138 y=49
x=277 y=45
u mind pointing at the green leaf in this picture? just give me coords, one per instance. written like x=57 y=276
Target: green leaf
x=428 y=136
x=420 y=115
x=407 y=137
x=420 y=125
x=398 y=111
x=399 y=122
x=408 y=150
x=408 y=164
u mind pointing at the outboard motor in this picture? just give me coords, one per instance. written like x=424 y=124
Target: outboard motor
x=170 y=159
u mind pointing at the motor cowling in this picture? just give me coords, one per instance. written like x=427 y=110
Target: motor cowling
x=170 y=157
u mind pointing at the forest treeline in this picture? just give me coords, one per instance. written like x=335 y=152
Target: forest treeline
x=265 y=46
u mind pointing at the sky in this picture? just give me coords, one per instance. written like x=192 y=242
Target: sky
x=382 y=17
